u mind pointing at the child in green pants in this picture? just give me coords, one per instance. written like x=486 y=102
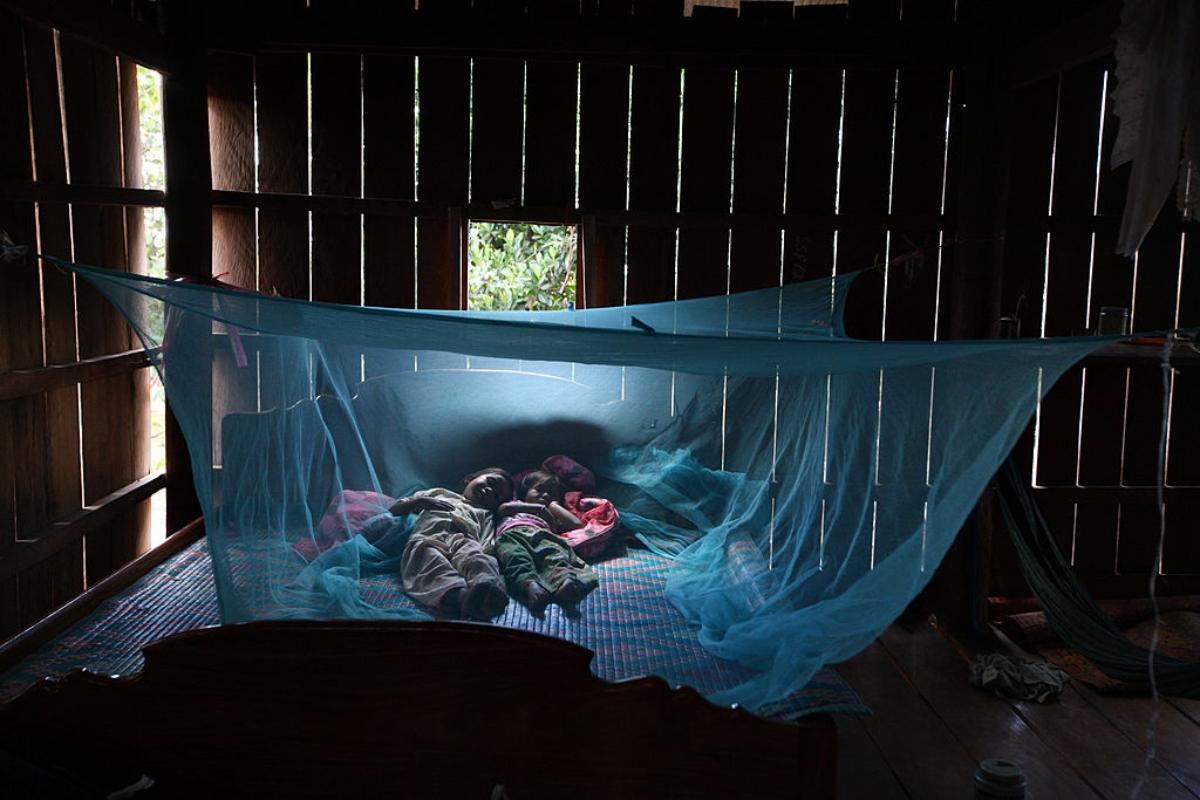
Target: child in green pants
x=539 y=566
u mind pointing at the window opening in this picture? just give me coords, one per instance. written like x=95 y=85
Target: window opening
x=521 y=266
x=150 y=127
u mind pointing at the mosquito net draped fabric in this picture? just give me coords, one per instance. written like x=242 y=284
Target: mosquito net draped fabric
x=805 y=484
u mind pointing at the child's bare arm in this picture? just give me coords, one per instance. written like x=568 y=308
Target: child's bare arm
x=561 y=518
x=414 y=504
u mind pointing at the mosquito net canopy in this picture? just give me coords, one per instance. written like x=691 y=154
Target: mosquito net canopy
x=804 y=485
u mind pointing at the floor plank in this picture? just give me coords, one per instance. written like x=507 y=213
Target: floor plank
x=924 y=754
x=1176 y=736
x=1095 y=748
x=1189 y=708
x=862 y=769
x=984 y=724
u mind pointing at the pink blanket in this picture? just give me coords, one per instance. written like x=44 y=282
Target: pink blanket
x=348 y=514
x=599 y=517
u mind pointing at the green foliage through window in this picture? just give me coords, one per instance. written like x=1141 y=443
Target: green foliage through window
x=520 y=267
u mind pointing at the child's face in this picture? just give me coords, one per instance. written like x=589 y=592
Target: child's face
x=540 y=494
x=487 y=491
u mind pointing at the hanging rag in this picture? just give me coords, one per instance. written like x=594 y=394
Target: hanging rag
x=1157 y=99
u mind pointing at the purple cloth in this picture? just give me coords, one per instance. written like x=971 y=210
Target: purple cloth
x=522 y=520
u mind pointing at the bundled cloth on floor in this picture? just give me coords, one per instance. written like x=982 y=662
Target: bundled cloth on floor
x=1017 y=678
x=1072 y=611
x=805 y=484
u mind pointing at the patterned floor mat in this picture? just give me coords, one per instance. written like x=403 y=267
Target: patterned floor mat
x=627 y=622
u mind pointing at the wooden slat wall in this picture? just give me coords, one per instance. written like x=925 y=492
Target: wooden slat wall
x=63 y=489
x=1100 y=426
x=91 y=94
x=45 y=314
x=20 y=344
x=872 y=142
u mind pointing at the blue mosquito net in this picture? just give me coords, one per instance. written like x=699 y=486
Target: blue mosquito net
x=805 y=485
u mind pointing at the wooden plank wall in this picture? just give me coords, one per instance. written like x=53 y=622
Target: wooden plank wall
x=72 y=445
x=1098 y=432
x=663 y=137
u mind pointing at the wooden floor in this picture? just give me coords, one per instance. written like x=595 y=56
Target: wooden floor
x=930 y=729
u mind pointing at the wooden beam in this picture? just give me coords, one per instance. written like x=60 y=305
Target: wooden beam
x=1141 y=495
x=45 y=629
x=30 y=550
x=189 y=213
x=99 y=25
x=57 y=192
x=1079 y=40
x=674 y=41
x=25 y=382
x=572 y=216
x=1139 y=355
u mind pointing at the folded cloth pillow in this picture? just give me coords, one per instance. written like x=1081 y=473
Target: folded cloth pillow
x=600 y=521
x=574 y=476
x=349 y=513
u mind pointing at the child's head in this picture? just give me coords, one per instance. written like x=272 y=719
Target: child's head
x=541 y=487
x=488 y=488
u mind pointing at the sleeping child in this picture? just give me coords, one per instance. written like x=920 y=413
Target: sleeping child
x=538 y=565
x=448 y=562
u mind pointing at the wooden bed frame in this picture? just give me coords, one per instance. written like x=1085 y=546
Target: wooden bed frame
x=408 y=709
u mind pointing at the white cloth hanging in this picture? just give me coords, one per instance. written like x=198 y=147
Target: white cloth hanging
x=1157 y=99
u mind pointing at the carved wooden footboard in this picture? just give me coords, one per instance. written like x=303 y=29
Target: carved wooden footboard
x=397 y=709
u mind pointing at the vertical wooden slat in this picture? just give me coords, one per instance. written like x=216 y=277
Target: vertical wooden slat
x=1103 y=402
x=90 y=87
x=603 y=138
x=1074 y=195
x=63 y=488
x=1028 y=200
x=1157 y=275
x=231 y=145
x=603 y=154
x=1183 y=468
x=281 y=96
x=550 y=104
x=189 y=239
x=336 y=170
x=866 y=163
x=759 y=161
x=18 y=292
x=812 y=168
x=497 y=122
x=653 y=167
x=654 y=143
x=1182 y=545
x=388 y=156
x=920 y=140
x=1112 y=285
x=705 y=171
x=444 y=87
x=1093 y=528
x=1030 y=162
x=1030 y=159
x=135 y=541
x=281 y=86
x=230 y=80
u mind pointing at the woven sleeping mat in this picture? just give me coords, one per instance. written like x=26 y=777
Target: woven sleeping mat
x=627 y=622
